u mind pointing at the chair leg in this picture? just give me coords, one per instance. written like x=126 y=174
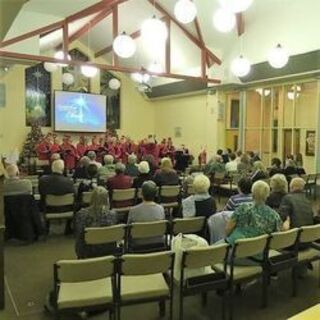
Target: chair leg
x=162 y=308
x=204 y=298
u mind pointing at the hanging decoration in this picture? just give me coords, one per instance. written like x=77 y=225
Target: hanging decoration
x=224 y=20
x=114 y=84
x=240 y=66
x=68 y=79
x=185 y=11
x=278 y=57
x=124 y=46
x=154 y=30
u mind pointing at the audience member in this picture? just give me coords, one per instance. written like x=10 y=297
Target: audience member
x=144 y=174
x=96 y=215
x=201 y=203
x=55 y=183
x=244 y=166
x=296 y=206
x=232 y=165
x=93 y=158
x=13 y=185
x=244 y=195
x=259 y=172
x=132 y=169
x=239 y=155
x=279 y=188
x=81 y=171
x=275 y=167
x=214 y=165
x=108 y=169
x=120 y=180
x=253 y=219
x=290 y=169
x=166 y=175
x=90 y=183
x=147 y=211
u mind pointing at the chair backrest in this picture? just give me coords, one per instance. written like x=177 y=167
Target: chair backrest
x=204 y=256
x=188 y=225
x=84 y=270
x=103 y=235
x=219 y=175
x=59 y=201
x=311 y=178
x=310 y=233
x=140 y=230
x=170 y=191
x=250 y=246
x=123 y=194
x=148 y=263
x=86 y=197
x=283 y=239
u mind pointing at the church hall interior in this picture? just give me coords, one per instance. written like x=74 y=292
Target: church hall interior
x=159 y=159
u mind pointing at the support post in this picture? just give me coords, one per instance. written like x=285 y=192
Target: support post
x=168 y=47
x=115 y=31
x=65 y=40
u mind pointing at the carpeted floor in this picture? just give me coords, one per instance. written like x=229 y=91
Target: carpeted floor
x=29 y=279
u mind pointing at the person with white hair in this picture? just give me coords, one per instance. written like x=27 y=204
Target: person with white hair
x=296 y=206
x=279 y=188
x=13 y=185
x=81 y=171
x=259 y=171
x=93 y=158
x=144 y=174
x=201 y=203
x=215 y=165
x=253 y=219
x=166 y=175
x=132 y=168
x=108 y=169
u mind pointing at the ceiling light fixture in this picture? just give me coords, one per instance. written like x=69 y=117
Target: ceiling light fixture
x=185 y=11
x=224 y=20
x=278 y=57
x=264 y=92
x=236 y=6
x=240 y=66
x=155 y=67
x=140 y=77
x=89 y=71
x=294 y=92
x=124 y=46
x=60 y=55
x=154 y=30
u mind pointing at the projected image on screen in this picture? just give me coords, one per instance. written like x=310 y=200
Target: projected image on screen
x=80 y=112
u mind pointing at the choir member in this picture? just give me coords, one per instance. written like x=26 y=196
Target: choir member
x=81 y=146
x=69 y=153
x=44 y=148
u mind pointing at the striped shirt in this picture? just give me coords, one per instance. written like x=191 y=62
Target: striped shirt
x=235 y=201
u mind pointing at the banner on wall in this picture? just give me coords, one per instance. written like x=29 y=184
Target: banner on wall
x=38 y=96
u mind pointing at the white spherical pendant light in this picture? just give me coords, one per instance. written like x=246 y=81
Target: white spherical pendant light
x=89 y=71
x=114 y=84
x=50 y=67
x=240 y=66
x=154 y=30
x=140 y=78
x=224 y=20
x=185 y=11
x=278 y=57
x=124 y=46
x=236 y=6
x=155 y=67
x=60 y=55
x=67 y=78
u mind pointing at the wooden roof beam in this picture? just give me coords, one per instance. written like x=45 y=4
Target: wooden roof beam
x=240 y=23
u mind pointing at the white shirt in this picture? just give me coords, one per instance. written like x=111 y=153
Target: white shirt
x=231 y=166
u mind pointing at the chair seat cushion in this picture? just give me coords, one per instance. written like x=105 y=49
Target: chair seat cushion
x=62 y=215
x=241 y=272
x=169 y=204
x=308 y=254
x=85 y=294
x=227 y=186
x=274 y=253
x=146 y=286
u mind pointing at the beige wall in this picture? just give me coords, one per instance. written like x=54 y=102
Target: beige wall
x=196 y=116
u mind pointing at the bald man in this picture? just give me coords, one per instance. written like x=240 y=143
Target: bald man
x=13 y=185
x=296 y=206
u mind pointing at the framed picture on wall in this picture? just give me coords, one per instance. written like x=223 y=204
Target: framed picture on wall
x=310 y=142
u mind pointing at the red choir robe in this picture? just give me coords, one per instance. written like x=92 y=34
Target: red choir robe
x=81 y=149
x=69 y=155
x=55 y=148
x=43 y=150
x=152 y=149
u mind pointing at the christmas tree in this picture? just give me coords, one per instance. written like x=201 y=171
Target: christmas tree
x=33 y=139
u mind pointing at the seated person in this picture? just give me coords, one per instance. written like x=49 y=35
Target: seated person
x=13 y=185
x=279 y=188
x=166 y=175
x=244 y=166
x=147 y=211
x=296 y=206
x=96 y=215
x=232 y=165
x=253 y=219
x=275 y=167
x=108 y=169
x=47 y=168
x=93 y=158
x=80 y=171
x=201 y=203
x=244 y=195
x=132 y=168
x=290 y=169
x=144 y=174
x=259 y=172
x=215 y=164
x=90 y=183
x=120 y=180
